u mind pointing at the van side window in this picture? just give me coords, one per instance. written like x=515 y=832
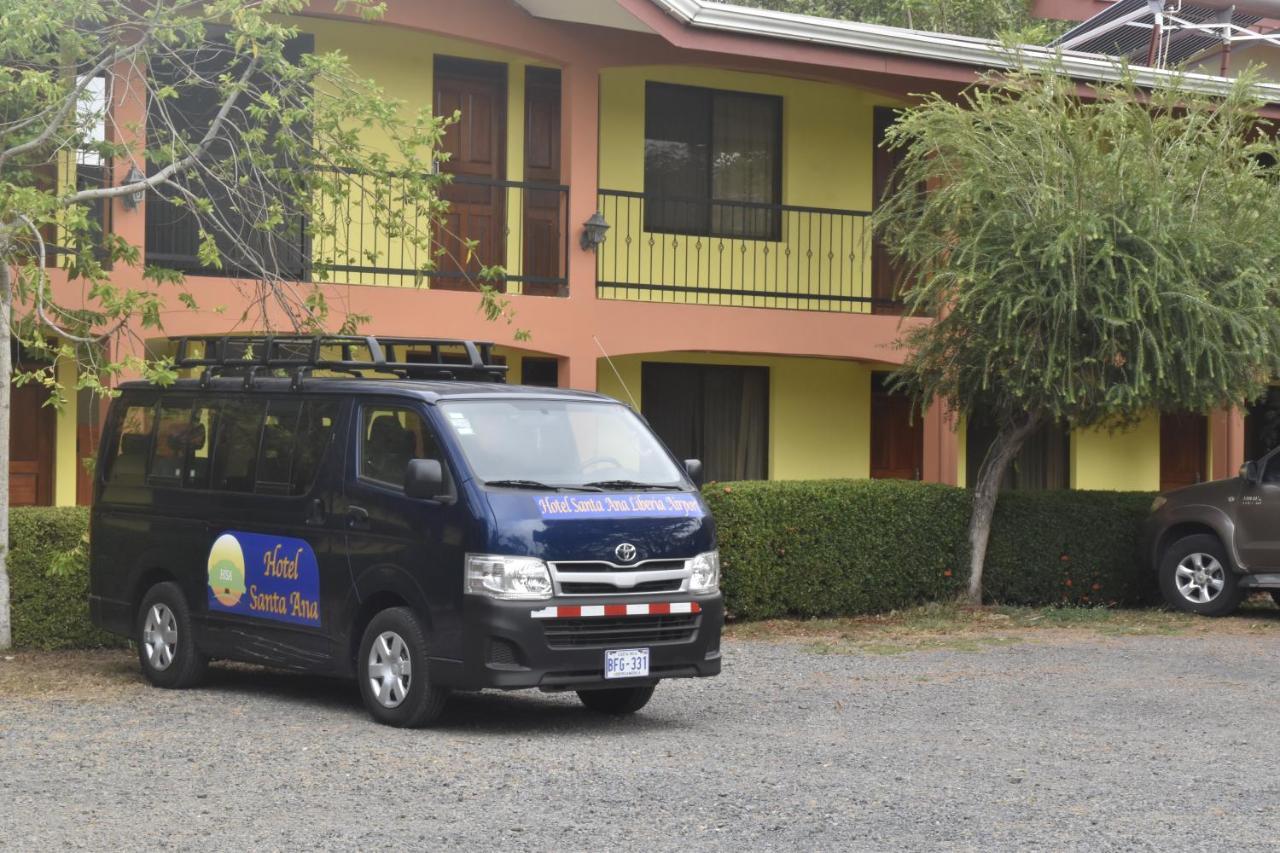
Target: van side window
x=389 y=438
x=315 y=430
x=275 y=452
x=200 y=447
x=173 y=438
x=235 y=449
x=129 y=465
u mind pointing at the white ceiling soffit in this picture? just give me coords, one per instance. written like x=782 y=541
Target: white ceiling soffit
x=915 y=44
x=600 y=13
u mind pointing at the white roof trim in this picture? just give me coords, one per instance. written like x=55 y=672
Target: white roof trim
x=916 y=44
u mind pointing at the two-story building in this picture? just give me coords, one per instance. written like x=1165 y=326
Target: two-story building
x=738 y=299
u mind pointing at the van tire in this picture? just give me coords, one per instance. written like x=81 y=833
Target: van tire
x=1200 y=550
x=166 y=640
x=421 y=702
x=617 y=700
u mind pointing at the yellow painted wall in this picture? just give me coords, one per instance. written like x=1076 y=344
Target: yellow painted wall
x=65 y=462
x=401 y=62
x=1121 y=461
x=819 y=410
x=826 y=162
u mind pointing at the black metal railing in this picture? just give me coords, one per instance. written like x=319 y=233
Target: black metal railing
x=712 y=252
x=519 y=226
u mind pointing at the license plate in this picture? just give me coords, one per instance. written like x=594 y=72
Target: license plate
x=626 y=663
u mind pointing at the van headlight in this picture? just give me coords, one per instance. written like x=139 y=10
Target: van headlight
x=704 y=573
x=1158 y=502
x=508 y=578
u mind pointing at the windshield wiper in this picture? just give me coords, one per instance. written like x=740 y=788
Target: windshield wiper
x=632 y=484
x=538 y=485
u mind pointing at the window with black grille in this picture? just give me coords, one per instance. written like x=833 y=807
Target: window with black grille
x=712 y=162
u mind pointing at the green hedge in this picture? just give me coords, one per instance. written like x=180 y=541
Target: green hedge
x=50 y=612
x=820 y=548
x=846 y=547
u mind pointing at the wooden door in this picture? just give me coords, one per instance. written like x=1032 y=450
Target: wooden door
x=897 y=438
x=543 y=237
x=33 y=427
x=886 y=274
x=477 y=148
x=1184 y=442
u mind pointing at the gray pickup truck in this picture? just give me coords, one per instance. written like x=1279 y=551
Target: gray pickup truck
x=1213 y=543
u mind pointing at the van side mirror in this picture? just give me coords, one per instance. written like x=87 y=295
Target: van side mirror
x=693 y=467
x=424 y=478
x=1249 y=472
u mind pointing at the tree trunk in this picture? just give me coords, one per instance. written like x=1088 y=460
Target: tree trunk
x=6 y=395
x=1008 y=442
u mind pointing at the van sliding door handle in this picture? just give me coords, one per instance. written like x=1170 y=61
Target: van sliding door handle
x=357 y=518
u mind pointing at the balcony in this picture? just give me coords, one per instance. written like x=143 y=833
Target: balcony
x=744 y=254
x=519 y=225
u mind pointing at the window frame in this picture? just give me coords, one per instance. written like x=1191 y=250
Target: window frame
x=775 y=207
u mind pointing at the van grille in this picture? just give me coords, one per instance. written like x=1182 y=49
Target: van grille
x=621 y=631
x=646 y=566
x=572 y=588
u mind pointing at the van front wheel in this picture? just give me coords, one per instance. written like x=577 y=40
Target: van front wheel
x=166 y=644
x=392 y=667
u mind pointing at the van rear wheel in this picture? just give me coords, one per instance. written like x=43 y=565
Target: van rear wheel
x=617 y=700
x=392 y=670
x=166 y=644
x=1196 y=577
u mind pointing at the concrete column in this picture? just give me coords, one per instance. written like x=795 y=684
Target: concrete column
x=66 y=462
x=940 y=446
x=578 y=370
x=1226 y=430
x=579 y=168
x=128 y=124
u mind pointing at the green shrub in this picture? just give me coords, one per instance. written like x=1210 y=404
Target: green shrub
x=50 y=611
x=847 y=547
x=837 y=547
x=1069 y=547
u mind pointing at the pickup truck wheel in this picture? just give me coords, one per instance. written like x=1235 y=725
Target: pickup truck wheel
x=617 y=700
x=166 y=644
x=392 y=670
x=1196 y=577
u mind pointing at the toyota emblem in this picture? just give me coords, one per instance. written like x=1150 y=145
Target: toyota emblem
x=626 y=552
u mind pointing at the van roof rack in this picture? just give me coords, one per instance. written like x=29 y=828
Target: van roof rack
x=299 y=355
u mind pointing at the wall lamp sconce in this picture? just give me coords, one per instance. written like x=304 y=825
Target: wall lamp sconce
x=594 y=231
x=132 y=200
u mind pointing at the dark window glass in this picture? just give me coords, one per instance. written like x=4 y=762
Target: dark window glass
x=315 y=432
x=273 y=474
x=719 y=414
x=389 y=439
x=544 y=372
x=200 y=447
x=1043 y=463
x=173 y=438
x=133 y=446
x=712 y=162
x=236 y=447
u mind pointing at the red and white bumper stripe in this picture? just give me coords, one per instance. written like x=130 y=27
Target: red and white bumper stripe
x=577 y=611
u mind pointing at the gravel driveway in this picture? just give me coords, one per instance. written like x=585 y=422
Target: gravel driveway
x=1091 y=743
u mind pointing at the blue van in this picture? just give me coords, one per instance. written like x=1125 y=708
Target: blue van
x=391 y=510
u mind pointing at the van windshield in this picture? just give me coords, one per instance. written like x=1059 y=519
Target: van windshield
x=563 y=444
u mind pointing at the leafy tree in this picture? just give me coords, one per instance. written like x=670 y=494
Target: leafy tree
x=1002 y=19
x=265 y=165
x=1089 y=260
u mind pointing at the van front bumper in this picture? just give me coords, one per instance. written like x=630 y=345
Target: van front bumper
x=509 y=645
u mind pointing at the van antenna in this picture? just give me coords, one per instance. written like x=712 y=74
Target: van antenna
x=621 y=381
